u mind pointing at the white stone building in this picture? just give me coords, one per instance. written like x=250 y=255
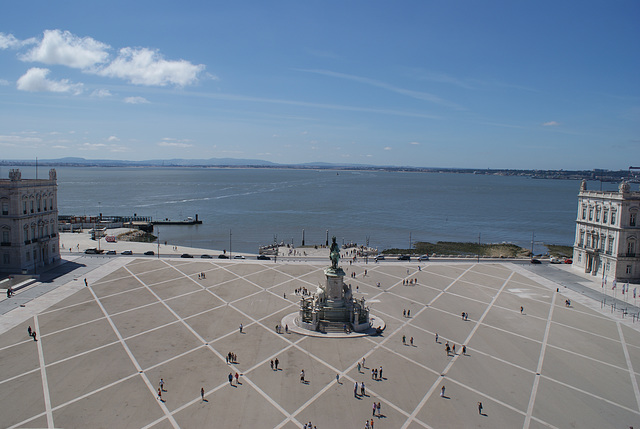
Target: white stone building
x=608 y=234
x=28 y=223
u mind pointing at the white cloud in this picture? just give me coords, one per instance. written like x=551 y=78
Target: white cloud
x=136 y=100
x=62 y=47
x=147 y=67
x=101 y=93
x=387 y=148
x=4 y=82
x=35 y=80
x=19 y=139
x=9 y=41
x=550 y=124
x=92 y=146
x=415 y=143
x=113 y=139
x=169 y=142
x=59 y=147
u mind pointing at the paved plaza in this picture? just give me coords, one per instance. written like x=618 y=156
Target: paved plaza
x=103 y=348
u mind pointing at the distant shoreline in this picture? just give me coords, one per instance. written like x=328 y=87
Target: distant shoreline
x=596 y=175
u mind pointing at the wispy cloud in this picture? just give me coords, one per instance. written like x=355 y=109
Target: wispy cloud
x=136 y=100
x=101 y=93
x=171 y=142
x=9 y=41
x=550 y=124
x=420 y=95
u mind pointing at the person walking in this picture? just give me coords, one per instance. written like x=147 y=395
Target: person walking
x=411 y=341
x=358 y=362
x=237 y=379
x=375 y=407
x=162 y=385
x=404 y=339
x=355 y=390
x=29 y=330
x=160 y=395
x=521 y=309
x=362 y=391
x=464 y=349
x=480 y=408
x=241 y=328
x=202 y=393
x=436 y=337
x=231 y=379
x=442 y=392
x=302 y=376
x=276 y=362
x=380 y=373
x=378 y=407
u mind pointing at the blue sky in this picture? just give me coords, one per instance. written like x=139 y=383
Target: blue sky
x=496 y=84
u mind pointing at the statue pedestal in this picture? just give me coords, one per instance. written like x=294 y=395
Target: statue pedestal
x=334 y=289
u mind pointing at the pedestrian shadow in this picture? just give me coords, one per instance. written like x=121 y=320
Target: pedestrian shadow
x=445 y=397
x=382 y=416
x=484 y=414
x=205 y=400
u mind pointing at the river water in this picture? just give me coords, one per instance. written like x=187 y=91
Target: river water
x=245 y=208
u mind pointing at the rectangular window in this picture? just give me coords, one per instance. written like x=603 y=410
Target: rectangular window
x=628 y=269
x=605 y=216
x=590 y=213
x=5 y=236
x=39 y=204
x=581 y=243
x=5 y=209
x=632 y=219
x=26 y=234
x=6 y=259
x=598 y=214
x=24 y=207
x=584 y=213
x=579 y=257
x=31 y=205
x=631 y=248
x=610 y=248
x=608 y=266
x=613 y=218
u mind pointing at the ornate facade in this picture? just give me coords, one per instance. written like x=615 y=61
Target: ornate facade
x=608 y=233
x=28 y=223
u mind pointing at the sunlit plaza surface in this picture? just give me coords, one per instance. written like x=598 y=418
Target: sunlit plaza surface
x=103 y=348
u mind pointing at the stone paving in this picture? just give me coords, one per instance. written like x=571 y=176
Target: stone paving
x=102 y=350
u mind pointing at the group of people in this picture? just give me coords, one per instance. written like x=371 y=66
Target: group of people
x=279 y=329
x=32 y=333
x=406 y=313
x=10 y=292
x=202 y=276
x=465 y=316
x=274 y=364
x=409 y=282
x=232 y=358
x=376 y=374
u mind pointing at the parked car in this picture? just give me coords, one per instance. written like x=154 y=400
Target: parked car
x=380 y=258
x=223 y=257
x=186 y=255
x=126 y=252
x=111 y=252
x=238 y=257
x=93 y=251
x=404 y=258
x=555 y=260
x=150 y=253
x=263 y=258
x=535 y=261
x=423 y=258
x=206 y=257
x=568 y=261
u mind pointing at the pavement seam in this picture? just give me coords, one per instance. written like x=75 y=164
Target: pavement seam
x=634 y=381
x=438 y=380
x=43 y=373
x=133 y=359
x=536 y=380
